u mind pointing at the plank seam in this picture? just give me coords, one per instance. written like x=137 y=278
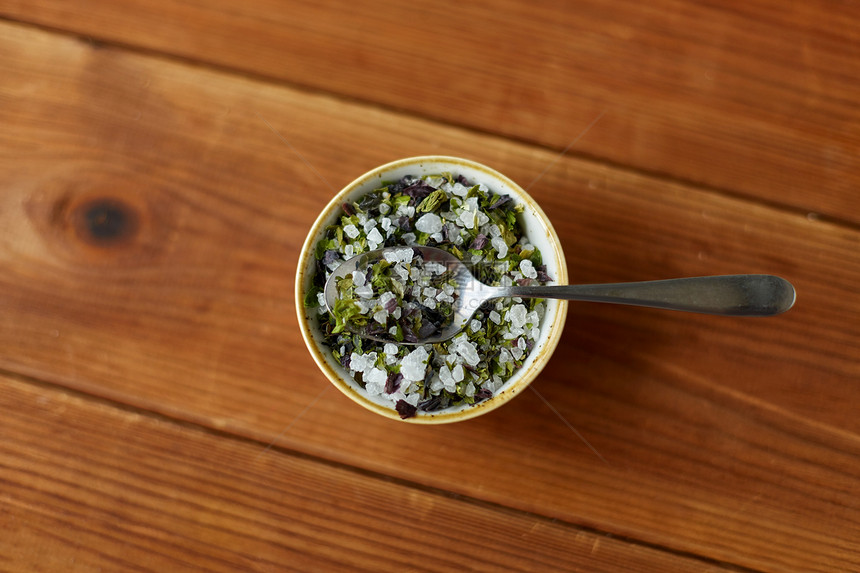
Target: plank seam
x=309 y=90
x=364 y=472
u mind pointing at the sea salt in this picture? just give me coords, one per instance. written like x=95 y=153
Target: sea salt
x=351 y=231
x=429 y=223
x=374 y=237
x=446 y=378
x=468 y=219
x=434 y=268
x=361 y=362
x=381 y=316
x=398 y=256
x=467 y=351
x=517 y=315
x=528 y=269
x=358 y=278
x=414 y=364
x=365 y=291
x=457 y=373
x=501 y=247
x=374 y=380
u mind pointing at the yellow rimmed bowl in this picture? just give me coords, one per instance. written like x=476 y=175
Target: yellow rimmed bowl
x=536 y=227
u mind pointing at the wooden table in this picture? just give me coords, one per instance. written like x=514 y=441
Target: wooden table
x=161 y=162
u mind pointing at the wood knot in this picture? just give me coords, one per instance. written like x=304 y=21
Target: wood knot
x=93 y=218
x=105 y=221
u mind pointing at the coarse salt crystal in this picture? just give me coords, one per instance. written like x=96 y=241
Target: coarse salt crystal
x=358 y=278
x=351 y=231
x=414 y=364
x=468 y=352
x=361 y=362
x=429 y=223
x=398 y=255
x=517 y=315
x=447 y=379
x=374 y=381
x=375 y=237
x=365 y=291
x=495 y=317
x=468 y=219
x=501 y=247
x=458 y=374
x=459 y=189
x=528 y=269
x=381 y=316
x=475 y=325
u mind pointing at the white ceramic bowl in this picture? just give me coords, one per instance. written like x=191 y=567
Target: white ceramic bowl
x=537 y=228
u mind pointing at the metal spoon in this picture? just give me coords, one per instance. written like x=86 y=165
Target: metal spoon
x=729 y=295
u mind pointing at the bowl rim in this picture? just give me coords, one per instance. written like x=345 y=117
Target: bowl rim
x=522 y=379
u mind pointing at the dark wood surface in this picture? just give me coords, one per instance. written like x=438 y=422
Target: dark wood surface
x=160 y=411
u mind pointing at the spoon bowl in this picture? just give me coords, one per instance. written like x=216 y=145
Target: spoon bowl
x=728 y=295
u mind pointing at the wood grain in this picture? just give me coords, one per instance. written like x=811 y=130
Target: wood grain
x=146 y=494
x=685 y=86
x=736 y=441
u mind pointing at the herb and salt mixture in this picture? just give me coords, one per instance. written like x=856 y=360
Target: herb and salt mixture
x=408 y=300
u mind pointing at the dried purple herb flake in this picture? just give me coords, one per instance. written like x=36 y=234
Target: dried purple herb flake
x=480 y=242
x=405 y=409
x=330 y=256
x=418 y=191
x=392 y=384
x=501 y=201
x=483 y=394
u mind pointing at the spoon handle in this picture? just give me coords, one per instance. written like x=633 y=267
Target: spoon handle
x=731 y=295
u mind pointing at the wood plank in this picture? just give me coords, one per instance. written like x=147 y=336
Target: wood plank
x=733 y=440
x=748 y=96
x=143 y=494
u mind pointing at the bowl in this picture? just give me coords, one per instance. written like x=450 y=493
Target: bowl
x=536 y=226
